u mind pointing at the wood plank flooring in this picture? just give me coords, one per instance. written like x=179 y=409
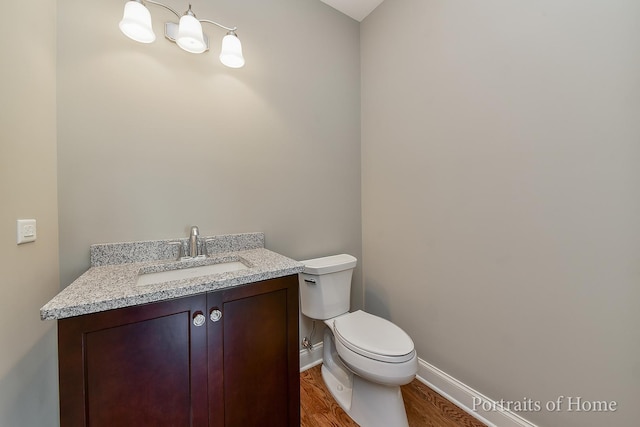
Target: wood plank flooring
x=425 y=407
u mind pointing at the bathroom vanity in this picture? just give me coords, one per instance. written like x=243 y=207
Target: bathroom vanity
x=213 y=345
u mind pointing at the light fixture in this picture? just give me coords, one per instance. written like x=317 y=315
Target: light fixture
x=190 y=36
x=231 y=53
x=187 y=34
x=136 y=22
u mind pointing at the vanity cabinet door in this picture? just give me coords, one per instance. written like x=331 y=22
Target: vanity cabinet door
x=136 y=366
x=258 y=373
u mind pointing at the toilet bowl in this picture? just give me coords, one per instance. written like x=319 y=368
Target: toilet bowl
x=374 y=348
x=365 y=358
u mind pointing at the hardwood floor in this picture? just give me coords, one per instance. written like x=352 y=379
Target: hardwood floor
x=425 y=408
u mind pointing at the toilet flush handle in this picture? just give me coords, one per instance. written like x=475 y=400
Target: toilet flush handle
x=310 y=281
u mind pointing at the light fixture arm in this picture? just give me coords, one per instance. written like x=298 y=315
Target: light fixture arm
x=169 y=8
x=219 y=25
x=161 y=5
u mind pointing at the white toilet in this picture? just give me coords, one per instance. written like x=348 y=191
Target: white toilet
x=365 y=358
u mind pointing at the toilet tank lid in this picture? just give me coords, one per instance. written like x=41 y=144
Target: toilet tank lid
x=329 y=264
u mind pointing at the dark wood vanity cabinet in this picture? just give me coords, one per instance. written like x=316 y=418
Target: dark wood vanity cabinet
x=156 y=365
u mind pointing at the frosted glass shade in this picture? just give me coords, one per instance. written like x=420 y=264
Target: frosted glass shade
x=231 y=53
x=136 y=23
x=190 y=36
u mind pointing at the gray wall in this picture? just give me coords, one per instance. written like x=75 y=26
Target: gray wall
x=29 y=272
x=152 y=140
x=501 y=194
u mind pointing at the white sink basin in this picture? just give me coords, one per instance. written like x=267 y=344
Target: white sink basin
x=145 y=279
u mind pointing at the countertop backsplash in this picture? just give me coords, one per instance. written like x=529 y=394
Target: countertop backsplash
x=156 y=250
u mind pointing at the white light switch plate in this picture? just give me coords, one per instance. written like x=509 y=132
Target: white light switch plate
x=26 y=231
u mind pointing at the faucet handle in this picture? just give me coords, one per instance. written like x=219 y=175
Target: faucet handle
x=205 y=251
x=180 y=249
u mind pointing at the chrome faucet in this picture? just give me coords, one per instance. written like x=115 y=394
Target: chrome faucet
x=193 y=242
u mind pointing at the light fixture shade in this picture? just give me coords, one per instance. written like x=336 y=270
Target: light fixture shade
x=231 y=53
x=136 y=23
x=190 y=36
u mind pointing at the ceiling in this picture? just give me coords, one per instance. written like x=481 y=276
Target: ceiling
x=357 y=9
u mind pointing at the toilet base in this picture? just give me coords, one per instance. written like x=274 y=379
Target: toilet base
x=367 y=403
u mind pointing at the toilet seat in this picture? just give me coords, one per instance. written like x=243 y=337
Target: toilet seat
x=373 y=337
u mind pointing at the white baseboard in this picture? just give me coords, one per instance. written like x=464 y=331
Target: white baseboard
x=463 y=396
x=310 y=358
x=453 y=390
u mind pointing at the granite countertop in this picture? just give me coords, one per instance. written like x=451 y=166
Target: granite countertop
x=111 y=281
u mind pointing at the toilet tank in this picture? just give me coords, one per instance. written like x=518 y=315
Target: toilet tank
x=325 y=286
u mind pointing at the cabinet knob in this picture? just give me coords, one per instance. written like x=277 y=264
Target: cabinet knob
x=199 y=319
x=216 y=315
